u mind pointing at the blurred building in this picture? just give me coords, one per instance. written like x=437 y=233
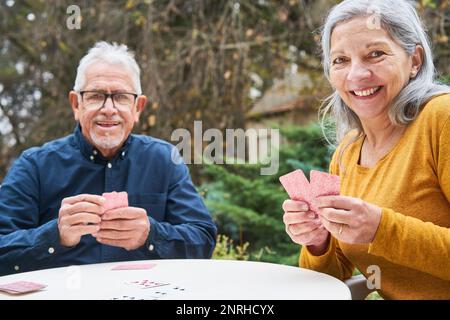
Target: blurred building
x=295 y=99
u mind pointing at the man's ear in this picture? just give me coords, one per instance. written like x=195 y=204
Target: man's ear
x=73 y=100
x=140 y=105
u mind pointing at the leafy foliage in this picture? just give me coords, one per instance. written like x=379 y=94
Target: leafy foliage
x=226 y=250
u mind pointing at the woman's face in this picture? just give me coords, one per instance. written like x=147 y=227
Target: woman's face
x=368 y=68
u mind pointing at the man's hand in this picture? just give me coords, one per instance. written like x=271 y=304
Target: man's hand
x=126 y=227
x=78 y=216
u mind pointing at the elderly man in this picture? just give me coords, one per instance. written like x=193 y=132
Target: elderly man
x=52 y=213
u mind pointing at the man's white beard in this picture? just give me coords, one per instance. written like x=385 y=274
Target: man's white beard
x=107 y=141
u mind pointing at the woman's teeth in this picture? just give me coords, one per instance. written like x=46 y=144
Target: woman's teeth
x=367 y=92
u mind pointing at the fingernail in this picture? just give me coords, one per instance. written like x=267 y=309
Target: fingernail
x=102 y=199
x=311 y=216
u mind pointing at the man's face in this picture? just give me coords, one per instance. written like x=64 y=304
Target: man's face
x=108 y=127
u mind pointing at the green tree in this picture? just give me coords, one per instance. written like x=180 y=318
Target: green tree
x=197 y=60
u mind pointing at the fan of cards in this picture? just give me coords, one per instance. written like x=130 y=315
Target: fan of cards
x=300 y=189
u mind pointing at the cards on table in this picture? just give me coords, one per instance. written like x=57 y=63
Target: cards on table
x=115 y=200
x=169 y=291
x=321 y=184
x=141 y=266
x=21 y=287
x=146 y=284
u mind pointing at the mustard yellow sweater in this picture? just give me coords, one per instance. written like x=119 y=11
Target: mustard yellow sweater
x=412 y=186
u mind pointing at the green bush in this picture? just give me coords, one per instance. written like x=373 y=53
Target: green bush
x=226 y=250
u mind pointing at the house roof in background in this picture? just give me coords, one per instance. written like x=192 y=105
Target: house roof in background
x=291 y=92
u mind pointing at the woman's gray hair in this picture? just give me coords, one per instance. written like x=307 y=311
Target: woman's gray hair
x=400 y=19
x=111 y=53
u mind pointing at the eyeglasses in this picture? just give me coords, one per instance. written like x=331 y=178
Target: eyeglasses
x=95 y=100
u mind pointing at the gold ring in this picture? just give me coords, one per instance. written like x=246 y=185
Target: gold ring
x=340 y=228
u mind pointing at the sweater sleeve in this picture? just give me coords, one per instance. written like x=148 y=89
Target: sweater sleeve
x=414 y=243
x=333 y=261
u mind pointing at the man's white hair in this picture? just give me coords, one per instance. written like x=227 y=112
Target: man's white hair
x=113 y=53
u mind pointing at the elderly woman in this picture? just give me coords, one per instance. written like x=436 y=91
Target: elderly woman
x=393 y=128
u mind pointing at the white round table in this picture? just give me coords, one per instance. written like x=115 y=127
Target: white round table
x=189 y=279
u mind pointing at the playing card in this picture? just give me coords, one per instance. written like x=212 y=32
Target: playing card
x=168 y=292
x=146 y=284
x=133 y=297
x=324 y=184
x=175 y=291
x=115 y=200
x=297 y=186
x=142 y=266
x=124 y=297
x=20 y=287
x=157 y=291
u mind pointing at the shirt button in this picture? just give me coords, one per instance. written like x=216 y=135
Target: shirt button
x=16 y=268
x=92 y=158
x=109 y=165
x=51 y=250
x=151 y=247
x=123 y=154
x=94 y=152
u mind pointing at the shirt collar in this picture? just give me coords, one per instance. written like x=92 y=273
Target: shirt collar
x=93 y=154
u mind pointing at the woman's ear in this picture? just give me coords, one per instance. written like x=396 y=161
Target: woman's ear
x=417 y=60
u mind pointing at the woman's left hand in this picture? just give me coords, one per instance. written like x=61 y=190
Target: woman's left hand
x=350 y=220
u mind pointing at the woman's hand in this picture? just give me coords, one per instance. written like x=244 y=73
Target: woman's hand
x=350 y=220
x=302 y=225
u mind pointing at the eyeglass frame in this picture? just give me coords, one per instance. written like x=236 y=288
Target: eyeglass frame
x=109 y=95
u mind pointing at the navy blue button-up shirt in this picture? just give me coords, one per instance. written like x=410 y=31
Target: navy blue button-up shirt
x=32 y=191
